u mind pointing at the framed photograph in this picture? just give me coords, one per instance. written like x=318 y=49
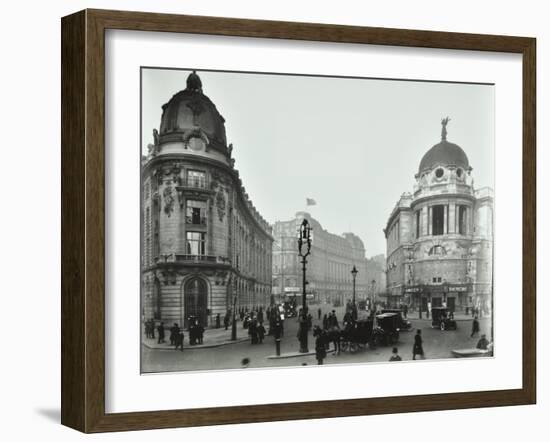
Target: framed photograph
x=268 y=220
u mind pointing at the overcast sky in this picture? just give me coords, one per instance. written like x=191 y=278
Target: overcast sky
x=353 y=145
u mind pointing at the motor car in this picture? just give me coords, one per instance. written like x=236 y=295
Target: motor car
x=404 y=324
x=387 y=329
x=442 y=319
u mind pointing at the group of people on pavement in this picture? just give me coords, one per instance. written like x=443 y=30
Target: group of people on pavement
x=177 y=336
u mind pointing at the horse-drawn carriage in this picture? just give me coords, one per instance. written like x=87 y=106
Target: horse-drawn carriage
x=356 y=335
x=372 y=332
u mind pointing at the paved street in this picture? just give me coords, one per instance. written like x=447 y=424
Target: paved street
x=437 y=344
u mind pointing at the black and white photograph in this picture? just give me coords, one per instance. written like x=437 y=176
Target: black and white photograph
x=305 y=220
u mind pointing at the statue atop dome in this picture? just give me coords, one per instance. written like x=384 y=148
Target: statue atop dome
x=194 y=82
x=444 y=123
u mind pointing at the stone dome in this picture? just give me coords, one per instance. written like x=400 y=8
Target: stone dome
x=444 y=153
x=190 y=111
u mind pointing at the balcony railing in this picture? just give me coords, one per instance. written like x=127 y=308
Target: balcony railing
x=195 y=220
x=196 y=183
x=203 y=258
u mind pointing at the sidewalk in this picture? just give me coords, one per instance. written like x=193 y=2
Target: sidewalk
x=213 y=337
x=413 y=316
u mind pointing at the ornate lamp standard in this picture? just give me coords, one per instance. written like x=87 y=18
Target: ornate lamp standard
x=304 y=239
x=354 y=272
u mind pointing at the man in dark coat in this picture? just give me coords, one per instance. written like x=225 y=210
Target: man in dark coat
x=319 y=313
x=395 y=355
x=333 y=320
x=218 y=320
x=320 y=345
x=174 y=330
x=483 y=343
x=253 y=331
x=226 y=320
x=160 y=329
x=179 y=339
x=261 y=332
x=475 y=327
x=417 y=347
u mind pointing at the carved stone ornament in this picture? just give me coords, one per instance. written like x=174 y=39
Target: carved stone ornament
x=169 y=277
x=168 y=196
x=221 y=204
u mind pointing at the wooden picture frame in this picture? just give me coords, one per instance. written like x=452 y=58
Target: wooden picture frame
x=83 y=219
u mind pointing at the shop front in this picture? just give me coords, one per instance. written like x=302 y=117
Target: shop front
x=424 y=297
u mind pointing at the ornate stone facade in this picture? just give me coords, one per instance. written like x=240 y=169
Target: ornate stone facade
x=204 y=244
x=440 y=238
x=329 y=265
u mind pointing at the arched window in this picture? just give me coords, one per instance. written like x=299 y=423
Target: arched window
x=195 y=300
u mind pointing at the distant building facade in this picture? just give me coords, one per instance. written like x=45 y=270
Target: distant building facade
x=440 y=238
x=376 y=277
x=329 y=265
x=204 y=245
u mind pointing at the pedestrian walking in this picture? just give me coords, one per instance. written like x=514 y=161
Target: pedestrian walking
x=475 y=327
x=333 y=320
x=395 y=356
x=174 y=330
x=160 y=330
x=226 y=320
x=320 y=345
x=179 y=340
x=319 y=313
x=218 y=320
x=253 y=332
x=261 y=332
x=417 y=347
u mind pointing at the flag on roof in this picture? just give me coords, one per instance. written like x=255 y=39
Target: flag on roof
x=310 y=202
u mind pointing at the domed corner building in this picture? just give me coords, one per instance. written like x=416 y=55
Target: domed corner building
x=204 y=245
x=439 y=238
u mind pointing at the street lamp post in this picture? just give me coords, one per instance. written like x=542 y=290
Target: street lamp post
x=304 y=248
x=354 y=272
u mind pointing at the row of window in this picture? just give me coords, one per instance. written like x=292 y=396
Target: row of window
x=440 y=222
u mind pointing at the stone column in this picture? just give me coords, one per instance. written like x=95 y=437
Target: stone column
x=452 y=217
x=445 y=218
x=424 y=221
x=429 y=220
